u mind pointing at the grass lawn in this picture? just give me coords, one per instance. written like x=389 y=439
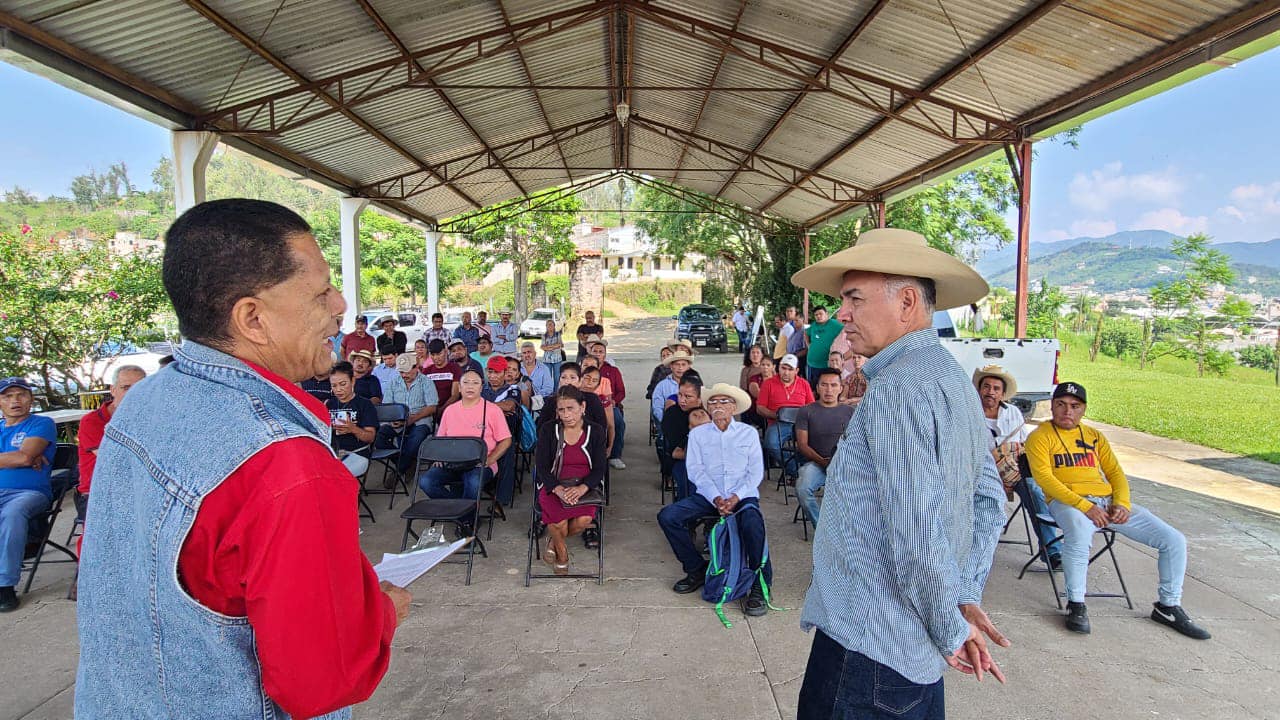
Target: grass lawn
x=1239 y=413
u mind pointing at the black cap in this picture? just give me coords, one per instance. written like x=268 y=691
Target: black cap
x=435 y=346
x=1075 y=390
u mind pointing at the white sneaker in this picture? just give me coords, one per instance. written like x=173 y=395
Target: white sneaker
x=617 y=464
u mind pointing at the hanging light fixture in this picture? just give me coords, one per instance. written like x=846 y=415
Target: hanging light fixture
x=623 y=111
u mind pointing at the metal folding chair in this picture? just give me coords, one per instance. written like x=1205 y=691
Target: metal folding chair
x=536 y=531
x=358 y=466
x=389 y=458
x=460 y=453
x=788 y=451
x=64 y=476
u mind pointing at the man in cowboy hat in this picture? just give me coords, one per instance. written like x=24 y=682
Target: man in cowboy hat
x=1008 y=432
x=725 y=466
x=896 y=581
x=679 y=362
x=391 y=339
x=505 y=334
x=367 y=385
x=1087 y=490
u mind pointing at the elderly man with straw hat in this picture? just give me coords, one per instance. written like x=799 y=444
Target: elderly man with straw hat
x=913 y=505
x=725 y=466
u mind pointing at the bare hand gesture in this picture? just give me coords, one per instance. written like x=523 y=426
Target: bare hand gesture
x=973 y=657
x=1098 y=516
x=1118 y=514
x=400 y=598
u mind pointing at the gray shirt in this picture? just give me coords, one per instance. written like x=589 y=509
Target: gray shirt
x=825 y=425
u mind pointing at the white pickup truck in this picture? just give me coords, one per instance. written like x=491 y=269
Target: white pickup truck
x=1033 y=363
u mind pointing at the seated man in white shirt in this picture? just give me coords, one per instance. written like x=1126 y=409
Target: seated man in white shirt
x=1009 y=430
x=725 y=466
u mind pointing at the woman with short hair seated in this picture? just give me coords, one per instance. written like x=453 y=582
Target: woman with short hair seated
x=570 y=459
x=470 y=416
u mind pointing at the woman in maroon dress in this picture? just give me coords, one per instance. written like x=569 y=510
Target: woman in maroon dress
x=570 y=462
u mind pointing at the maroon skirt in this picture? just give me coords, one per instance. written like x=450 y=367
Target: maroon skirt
x=554 y=512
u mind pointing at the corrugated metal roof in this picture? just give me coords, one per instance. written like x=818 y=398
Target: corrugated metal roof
x=783 y=113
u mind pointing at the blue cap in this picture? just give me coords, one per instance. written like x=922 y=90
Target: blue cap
x=12 y=382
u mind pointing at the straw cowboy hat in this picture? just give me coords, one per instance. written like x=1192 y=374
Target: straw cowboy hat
x=896 y=252
x=739 y=396
x=594 y=339
x=675 y=345
x=995 y=371
x=678 y=355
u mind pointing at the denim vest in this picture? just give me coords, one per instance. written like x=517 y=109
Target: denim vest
x=147 y=648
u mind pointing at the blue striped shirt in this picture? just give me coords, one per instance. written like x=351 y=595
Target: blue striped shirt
x=911 y=515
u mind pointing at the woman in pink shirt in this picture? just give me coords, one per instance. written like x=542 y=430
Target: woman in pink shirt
x=472 y=416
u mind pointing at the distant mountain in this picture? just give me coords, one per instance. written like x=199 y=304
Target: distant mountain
x=1006 y=257
x=1111 y=267
x=1263 y=253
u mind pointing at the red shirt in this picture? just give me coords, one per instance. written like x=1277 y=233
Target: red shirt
x=774 y=395
x=278 y=542
x=352 y=342
x=614 y=376
x=88 y=440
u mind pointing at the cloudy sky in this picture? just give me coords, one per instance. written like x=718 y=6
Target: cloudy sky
x=1204 y=157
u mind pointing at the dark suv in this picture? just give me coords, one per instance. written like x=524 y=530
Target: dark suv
x=703 y=326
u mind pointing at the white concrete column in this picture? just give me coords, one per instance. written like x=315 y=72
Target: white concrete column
x=349 y=226
x=433 y=270
x=191 y=152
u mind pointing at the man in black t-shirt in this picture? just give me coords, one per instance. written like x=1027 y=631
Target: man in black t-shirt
x=391 y=340
x=590 y=327
x=355 y=420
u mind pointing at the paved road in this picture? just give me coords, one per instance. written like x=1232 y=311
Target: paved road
x=633 y=649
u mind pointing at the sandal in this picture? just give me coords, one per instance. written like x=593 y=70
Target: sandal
x=591 y=538
x=561 y=569
x=549 y=555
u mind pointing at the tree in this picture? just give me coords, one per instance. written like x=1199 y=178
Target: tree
x=1044 y=311
x=962 y=215
x=1083 y=308
x=1187 y=330
x=19 y=196
x=531 y=233
x=63 y=301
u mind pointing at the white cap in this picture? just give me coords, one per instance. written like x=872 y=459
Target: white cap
x=791 y=360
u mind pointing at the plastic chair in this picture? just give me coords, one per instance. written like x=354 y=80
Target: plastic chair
x=461 y=453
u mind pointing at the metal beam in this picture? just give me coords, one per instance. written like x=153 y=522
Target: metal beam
x=706 y=96
x=407 y=185
x=971 y=59
x=542 y=108
x=230 y=29
x=355 y=86
x=829 y=188
x=867 y=17
x=1024 y=238
x=500 y=213
x=404 y=52
x=713 y=205
x=550 y=87
x=930 y=114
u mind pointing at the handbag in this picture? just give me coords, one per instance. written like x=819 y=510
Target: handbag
x=590 y=497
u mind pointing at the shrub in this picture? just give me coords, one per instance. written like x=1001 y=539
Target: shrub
x=1262 y=357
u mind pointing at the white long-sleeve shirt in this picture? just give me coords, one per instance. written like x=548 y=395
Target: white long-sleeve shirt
x=725 y=463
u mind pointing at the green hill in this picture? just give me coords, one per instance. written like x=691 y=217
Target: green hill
x=1111 y=269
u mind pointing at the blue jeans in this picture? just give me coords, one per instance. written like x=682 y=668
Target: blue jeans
x=812 y=478
x=774 y=436
x=840 y=684
x=554 y=368
x=433 y=483
x=17 y=508
x=675 y=519
x=681 y=476
x=619 y=431
x=1046 y=533
x=742 y=340
x=1142 y=526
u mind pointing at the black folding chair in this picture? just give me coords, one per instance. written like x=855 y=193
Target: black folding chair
x=389 y=458
x=790 y=454
x=653 y=428
x=1020 y=510
x=1042 y=549
x=802 y=517
x=537 y=530
x=458 y=453
x=358 y=466
x=64 y=476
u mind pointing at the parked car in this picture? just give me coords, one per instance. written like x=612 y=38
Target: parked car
x=703 y=325
x=536 y=324
x=453 y=316
x=1033 y=362
x=412 y=323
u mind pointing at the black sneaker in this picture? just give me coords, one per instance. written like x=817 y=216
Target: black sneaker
x=1055 y=563
x=8 y=599
x=1175 y=617
x=690 y=582
x=1077 y=618
x=754 y=605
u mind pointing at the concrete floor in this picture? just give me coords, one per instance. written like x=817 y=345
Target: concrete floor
x=633 y=649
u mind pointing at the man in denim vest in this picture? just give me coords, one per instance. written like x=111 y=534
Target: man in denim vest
x=224 y=577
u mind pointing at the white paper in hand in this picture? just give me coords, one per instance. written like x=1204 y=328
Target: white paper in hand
x=404 y=568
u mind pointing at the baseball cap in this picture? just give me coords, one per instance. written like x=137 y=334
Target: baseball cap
x=406 y=362
x=13 y=382
x=1075 y=390
x=790 y=359
x=456 y=341
x=435 y=346
x=497 y=362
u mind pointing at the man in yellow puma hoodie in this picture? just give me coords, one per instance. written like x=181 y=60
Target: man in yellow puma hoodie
x=1087 y=490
